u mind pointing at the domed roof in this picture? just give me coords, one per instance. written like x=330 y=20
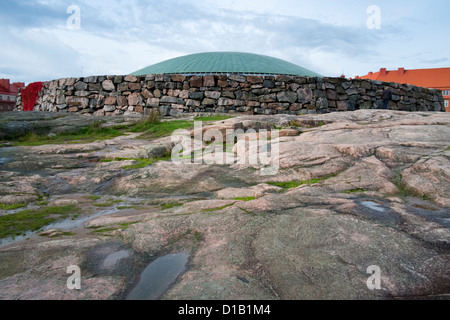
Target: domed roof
x=226 y=63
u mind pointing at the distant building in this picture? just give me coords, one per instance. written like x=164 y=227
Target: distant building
x=429 y=78
x=8 y=94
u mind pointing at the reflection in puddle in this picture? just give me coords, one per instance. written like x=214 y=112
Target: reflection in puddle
x=373 y=205
x=380 y=213
x=158 y=276
x=111 y=260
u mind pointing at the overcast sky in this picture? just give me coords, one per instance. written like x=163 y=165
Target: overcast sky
x=330 y=37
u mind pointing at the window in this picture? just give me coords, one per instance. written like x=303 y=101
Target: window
x=445 y=92
x=446 y=103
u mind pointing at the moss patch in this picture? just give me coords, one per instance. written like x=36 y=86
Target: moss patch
x=298 y=183
x=93 y=198
x=141 y=163
x=171 y=205
x=294 y=184
x=213 y=118
x=32 y=220
x=245 y=199
x=11 y=206
x=357 y=190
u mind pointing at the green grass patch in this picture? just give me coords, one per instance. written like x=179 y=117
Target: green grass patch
x=298 y=183
x=357 y=190
x=141 y=163
x=105 y=230
x=91 y=133
x=93 y=198
x=11 y=206
x=401 y=186
x=126 y=225
x=32 y=220
x=102 y=205
x=162 y=129
x=213 y=118
x=171 y=205
x=129 y=207
x=152 y=128
x=198 y=237
x=294 y=184
x=245 y=199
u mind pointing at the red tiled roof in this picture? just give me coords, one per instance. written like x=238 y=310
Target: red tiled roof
x=438 y=78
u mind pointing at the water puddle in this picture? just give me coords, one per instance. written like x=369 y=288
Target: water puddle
x=158 y=276
x=429 y=211
x=379 y=213
x=4 y=161
x=114 y=258
x=373 y=205
x=7 y=241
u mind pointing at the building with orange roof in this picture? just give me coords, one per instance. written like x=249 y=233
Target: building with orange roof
x=8 y=94
x=438 y=78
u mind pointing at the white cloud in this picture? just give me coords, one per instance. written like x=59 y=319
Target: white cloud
x=118 y=37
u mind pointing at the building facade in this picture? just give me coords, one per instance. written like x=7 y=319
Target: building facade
x=438 y=78
x=8 y=94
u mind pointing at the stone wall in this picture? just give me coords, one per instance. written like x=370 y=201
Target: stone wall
x=174 y=94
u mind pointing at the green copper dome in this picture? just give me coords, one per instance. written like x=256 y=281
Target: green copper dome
x=226 y=63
